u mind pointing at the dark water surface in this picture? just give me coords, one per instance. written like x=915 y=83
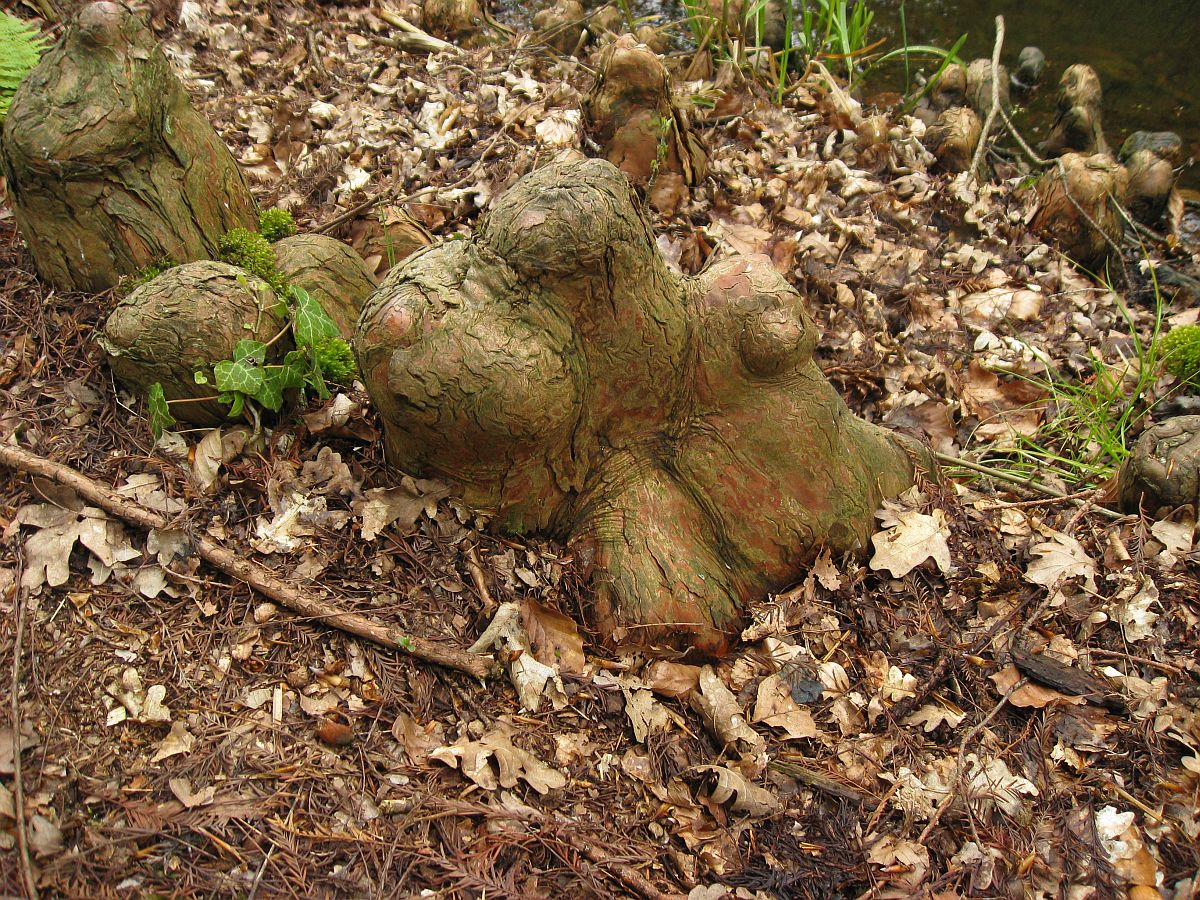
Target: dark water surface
x=1147 y=54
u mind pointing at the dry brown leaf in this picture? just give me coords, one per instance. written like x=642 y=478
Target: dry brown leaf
x=403 y=505
x=553 y=637
x=671 y=679
x=723 y=785
x=417 y=740
x=775 y=708
x=475 y=760
x=178 y=740
x=182 y=789
x=646 y=715
x=722 y=715
x=908 y=538
x=1030 y=695
x=1059 y=558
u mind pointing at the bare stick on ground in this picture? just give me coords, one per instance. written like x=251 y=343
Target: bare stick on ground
x=251 y=573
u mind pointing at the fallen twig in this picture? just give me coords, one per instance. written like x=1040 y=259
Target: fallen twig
x=251 y=573
x=995 y=110
x=411 y=37
x=1031 y=483
x=15 y=712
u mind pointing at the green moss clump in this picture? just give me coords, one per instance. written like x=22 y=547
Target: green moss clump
x=274 y=224
x=336 y=360
x=144 y=275
x=1179 y=350
x=252 y=252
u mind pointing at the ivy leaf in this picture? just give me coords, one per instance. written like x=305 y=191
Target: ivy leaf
x=293 y=371
x=236 y=401
x=270 y=395
x=311 y=324
x=238 y=377
x=200 y=377
x=255 y=351
x=161 y=419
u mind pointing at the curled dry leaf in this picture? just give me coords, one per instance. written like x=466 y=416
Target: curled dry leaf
x=417 y=740
x=1030 y=695
x=182 y=789
x=178 y=740
x=775 y=707
x=733 y=790
x=671 y=679
x=722 y=715
x=402 y=505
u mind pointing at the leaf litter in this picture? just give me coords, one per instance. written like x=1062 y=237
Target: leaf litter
x=873 y=735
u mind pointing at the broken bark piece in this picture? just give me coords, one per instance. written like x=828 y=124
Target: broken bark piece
x=330 y=271
x=1065 y=678
x=630 y=114
x=109 y=167
x=1077 y=126
x=675 y=430
x=954 y=137
x=1163 y=471
x=1076 y=209
x=182 y=322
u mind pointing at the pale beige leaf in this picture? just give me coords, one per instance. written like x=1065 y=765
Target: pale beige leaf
x=775 y=708
x=402 y=505
x=178 y=740
x=671 y=679
x=721 y=713
x=908 y=539
x=182 y=789
x=1060 y=558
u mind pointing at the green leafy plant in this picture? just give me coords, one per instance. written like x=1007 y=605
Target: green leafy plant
x=274 y=224
x=1091 y=421
x=20 y=49
x=246 y=382
x=1179 y=350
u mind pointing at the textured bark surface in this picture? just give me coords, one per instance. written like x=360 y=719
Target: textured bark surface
x=183 y=321
x=675 y=429
x=1152 y=159
x=629 y=113
x=1163 y=472
x=1077 y=212
x=108 y=166
x=953 y=138
x=1077 y=126
x=561 y=26
x=333 y=273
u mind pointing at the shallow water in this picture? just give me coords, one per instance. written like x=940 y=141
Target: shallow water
x=1145 y=53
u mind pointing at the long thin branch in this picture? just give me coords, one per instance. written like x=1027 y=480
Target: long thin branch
x=258 y=577
x=18 y=781
x=994 y=111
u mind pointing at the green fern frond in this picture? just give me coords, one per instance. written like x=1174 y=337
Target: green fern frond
x=20 y=49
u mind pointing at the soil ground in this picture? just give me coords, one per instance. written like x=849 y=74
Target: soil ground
x=888 y=728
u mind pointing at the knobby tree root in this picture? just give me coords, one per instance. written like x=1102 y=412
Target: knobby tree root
x=675 y=430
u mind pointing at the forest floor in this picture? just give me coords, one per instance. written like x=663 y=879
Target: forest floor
x=1011 y=708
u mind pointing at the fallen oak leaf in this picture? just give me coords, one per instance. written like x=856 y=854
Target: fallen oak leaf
x=908 y=538
x=512 y=764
